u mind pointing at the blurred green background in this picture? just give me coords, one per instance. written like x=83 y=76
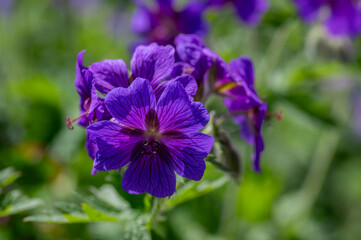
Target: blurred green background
x=310 y=187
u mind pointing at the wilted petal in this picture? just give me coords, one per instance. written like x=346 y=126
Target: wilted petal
x=152 y=62
x=153 y=174
x=114 y=143
x=110 y=74
x=188 y=153
x=176 y=112
x=131 y=105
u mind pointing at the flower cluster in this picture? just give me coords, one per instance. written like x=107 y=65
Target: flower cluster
x=343 y=17
x=149 y=119
x=233 y=81
x=162 y=22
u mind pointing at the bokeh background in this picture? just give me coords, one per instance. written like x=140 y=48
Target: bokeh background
x=310 y=187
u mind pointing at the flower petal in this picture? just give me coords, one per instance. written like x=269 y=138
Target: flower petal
x=309 y=9
x=251 y=131
x=177 y=113
x=189 y=48
x=345 y=18
x=110 y=74
x=131 y=105
x=153 y=174
x=141 y=20
x=83 y=80
x=188 y=153
x=114 y=143
x=242 y=71
x=152 y=62
x=187 y=81
x=251 y=11
x=190 y=19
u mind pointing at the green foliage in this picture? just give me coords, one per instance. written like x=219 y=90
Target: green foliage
x=13 y=201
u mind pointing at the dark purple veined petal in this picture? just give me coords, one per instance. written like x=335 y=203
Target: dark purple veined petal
x=309 y=9
x=187 y=81
x=153 y=174
x=251 y=11
x=114 y=144
x=188 y=153
x=109 y=74
x=345 y=18
x=131 y=105
x=176 y=112
x=152 y=62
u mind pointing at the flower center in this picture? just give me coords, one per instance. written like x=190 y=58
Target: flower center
x=150 y=147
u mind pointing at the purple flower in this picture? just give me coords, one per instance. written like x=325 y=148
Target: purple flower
x=247 y=109
x=250 y=11
x=233 y=81
x=344 y=18
x=161 y=23
x=152 y=62
x=156 y=137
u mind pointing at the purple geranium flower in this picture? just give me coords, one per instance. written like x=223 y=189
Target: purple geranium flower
x=152 y=62
x=161 y=23
x=234 y=81
x=344 y=17
x=156 y=137
x=245 y=106
x=250 y=11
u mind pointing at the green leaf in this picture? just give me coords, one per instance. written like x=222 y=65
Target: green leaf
x=47 y=217
x=8 y=176
x=109 y=195
x=95 y=215
x=15 y=202
x=193 y=189
x=136 y=229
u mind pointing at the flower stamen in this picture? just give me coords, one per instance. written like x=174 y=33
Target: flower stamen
x=70 y=122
